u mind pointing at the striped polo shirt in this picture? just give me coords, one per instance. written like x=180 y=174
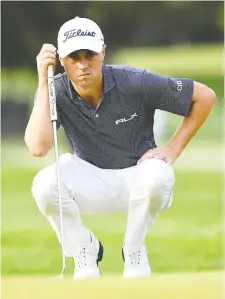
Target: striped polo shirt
x=120 y=130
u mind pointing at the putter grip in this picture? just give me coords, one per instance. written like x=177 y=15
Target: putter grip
x=51 y=92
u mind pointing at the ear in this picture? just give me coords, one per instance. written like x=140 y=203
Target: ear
x=103 y=54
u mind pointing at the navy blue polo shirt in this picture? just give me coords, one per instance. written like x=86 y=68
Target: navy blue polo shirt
x=120 y=130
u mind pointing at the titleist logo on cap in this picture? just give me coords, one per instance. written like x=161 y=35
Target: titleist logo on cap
x=78 y=32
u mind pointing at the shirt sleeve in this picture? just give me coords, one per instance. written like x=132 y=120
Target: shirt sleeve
x=169 y=94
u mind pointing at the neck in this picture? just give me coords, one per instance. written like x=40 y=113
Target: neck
x=90 y=94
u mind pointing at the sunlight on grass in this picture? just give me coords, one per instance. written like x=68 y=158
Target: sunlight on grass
x=173 y=286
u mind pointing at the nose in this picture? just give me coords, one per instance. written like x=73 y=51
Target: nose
x=82 y=64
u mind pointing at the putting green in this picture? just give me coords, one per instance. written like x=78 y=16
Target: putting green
x=158 y=286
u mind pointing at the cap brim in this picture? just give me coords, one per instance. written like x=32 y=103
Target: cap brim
x=84 y=44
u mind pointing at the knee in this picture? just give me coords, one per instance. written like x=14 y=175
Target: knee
x=154 y=175
x=44 y=188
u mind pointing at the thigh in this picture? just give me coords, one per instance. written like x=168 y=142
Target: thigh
x=95 y=190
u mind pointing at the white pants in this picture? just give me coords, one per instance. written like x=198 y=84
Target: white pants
x=142 y=191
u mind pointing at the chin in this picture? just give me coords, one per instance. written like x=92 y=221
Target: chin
x=83 y=81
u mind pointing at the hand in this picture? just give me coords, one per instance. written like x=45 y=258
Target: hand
x=166 y=154
x=46 y=57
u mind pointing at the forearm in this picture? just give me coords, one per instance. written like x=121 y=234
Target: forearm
x=39 y=131
x=200 y=109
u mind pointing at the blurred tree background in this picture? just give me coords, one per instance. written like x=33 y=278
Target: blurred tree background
x=27 y=25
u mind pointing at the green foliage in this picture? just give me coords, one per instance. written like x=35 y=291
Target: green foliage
x=19 y=84
x=124 y=24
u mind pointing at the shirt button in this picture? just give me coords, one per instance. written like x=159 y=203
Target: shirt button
x=96 y=115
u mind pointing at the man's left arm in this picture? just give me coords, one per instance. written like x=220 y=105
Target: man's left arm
x=203 y=99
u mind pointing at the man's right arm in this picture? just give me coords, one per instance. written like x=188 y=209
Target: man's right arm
x=39 y=132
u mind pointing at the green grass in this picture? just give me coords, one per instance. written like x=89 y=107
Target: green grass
x=209 y=134
x=175 y=286
x=203 y=59
x=187 y=237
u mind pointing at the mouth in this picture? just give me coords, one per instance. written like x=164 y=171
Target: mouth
x=83 y=75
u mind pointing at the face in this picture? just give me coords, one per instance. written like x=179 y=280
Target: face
x=84 y=67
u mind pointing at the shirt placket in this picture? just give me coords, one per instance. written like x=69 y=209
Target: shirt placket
x=96 y=113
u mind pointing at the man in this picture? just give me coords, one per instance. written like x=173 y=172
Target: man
x=107 y=113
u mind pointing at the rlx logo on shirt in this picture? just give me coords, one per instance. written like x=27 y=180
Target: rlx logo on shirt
x=122 y=120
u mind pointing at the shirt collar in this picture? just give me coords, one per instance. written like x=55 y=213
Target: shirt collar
x=108 y=78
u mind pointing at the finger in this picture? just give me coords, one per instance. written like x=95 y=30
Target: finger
x=163 y=158
x=48 y=48
x=169 y=162
x=45 y=56
x=150 y=154
x=160 y=157
x=43 y=60
x=145 y=157
x=49 y=55
x=46 y=62
x=142 y=160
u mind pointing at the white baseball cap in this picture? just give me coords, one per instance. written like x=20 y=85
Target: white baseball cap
x=77 y=34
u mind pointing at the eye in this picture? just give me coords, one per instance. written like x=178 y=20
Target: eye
x=73 y=55
x=91 y=54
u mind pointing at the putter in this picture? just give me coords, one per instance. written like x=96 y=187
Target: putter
x=53 y=114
